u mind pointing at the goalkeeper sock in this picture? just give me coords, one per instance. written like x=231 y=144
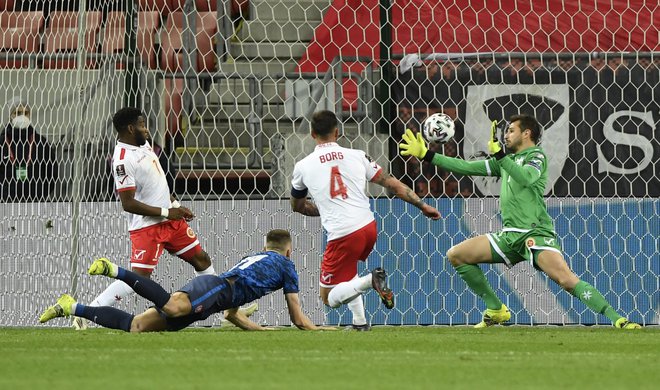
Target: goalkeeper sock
x=106 y=316
x=594 y=300
x=476 y=280
x=145 y=287
x=356 y=306
x=114 y=293
x=347 y=291
x=209 y=271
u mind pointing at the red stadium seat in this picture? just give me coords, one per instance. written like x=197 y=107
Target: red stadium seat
x=19 y=32
x=7 y=5
x=172 y=46
x=164 y=7
x=115 y=30
x=204 y=5
x=62 y=37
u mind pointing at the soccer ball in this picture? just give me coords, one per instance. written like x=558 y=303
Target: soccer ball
x=438 y=128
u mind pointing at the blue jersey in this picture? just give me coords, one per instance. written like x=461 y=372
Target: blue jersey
x=260 y=274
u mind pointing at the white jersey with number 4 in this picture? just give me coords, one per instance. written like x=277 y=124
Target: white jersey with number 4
x=336 y=178
x=137 y=168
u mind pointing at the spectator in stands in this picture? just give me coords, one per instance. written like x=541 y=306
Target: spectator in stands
x=28 y=169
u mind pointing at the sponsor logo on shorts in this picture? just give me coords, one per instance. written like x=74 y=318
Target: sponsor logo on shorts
x=139 y=254
x=530 y=242
x=190 y=233
x=199 y=309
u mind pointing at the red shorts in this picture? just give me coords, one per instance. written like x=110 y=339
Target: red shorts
x=148 y=243
x=341 y=255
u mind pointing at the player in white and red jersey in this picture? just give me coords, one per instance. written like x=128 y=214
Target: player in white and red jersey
x=156 y=221
x=336 y=178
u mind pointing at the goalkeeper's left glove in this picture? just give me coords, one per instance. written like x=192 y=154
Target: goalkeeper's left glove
x=414 y=146
x=494 y=146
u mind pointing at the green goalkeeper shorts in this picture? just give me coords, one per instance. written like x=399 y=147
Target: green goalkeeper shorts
x=512 y=247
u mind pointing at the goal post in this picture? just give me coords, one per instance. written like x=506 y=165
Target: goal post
x=227 y=87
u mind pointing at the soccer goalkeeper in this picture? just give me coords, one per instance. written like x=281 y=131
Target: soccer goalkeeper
x=528 y=232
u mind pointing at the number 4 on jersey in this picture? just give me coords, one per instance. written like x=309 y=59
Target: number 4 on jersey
x=337 y=186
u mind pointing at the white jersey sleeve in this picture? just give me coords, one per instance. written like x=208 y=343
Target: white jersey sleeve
x=298 y=187
x=123 y=171
x=372 y=169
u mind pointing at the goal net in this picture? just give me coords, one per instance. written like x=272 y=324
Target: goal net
x=227 y=88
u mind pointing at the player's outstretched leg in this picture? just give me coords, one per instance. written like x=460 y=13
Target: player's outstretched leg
x=144 y=287
x=62 y=308
x=623 y=323
x=494 y=317
x=103 y=267
x=379 y=283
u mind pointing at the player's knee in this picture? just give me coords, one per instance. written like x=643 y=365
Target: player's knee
x=454 y=256
x=567 y=282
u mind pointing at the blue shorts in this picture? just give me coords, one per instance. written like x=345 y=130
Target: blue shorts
x=208 y=294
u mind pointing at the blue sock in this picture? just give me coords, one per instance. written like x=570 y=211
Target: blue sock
x=106 y=316
x=145 y=287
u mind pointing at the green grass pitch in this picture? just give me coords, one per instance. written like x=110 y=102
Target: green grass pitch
x=387 y=358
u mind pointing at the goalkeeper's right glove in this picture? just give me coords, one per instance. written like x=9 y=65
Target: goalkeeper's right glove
x=415 y=146
x=494 y=146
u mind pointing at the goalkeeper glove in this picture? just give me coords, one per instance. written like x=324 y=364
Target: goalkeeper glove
x=494 y=146
x=414 y=146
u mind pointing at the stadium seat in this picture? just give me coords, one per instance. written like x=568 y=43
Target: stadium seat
x=172 y=45
x=115 y=30
x=20 y=33
x=7 y=5
x=62 y=37
x=163 y=7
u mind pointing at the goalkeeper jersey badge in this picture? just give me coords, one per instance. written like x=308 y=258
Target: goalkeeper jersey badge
x=530 y=242
x=21 y=173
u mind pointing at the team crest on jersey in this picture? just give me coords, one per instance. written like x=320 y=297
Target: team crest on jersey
x=121 y=171
x=530 y=242
x=190 y=233
x=139 y=254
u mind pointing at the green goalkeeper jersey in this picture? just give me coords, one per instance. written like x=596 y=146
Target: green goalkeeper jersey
x=524 y=177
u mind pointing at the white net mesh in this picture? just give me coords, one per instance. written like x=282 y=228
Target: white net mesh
x=226 y=87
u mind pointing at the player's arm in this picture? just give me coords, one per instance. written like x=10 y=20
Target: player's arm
x=524 y=175
x=134 y=206
x=298 y=318
x=405 y=193
x=304 y=206
x=299 y=201
x=416 y=146
x=239 y=319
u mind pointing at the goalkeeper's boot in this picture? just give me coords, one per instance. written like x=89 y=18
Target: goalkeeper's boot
x=104 y=267
x=379 y=283
x=494 y=317
x=248 y=311
x=60 y=309
x=79 y=323
x=623 y=323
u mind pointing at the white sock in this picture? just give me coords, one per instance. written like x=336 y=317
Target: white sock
x=115 y=292
x=346 y=291
x=208 y=271
x=356 y=306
